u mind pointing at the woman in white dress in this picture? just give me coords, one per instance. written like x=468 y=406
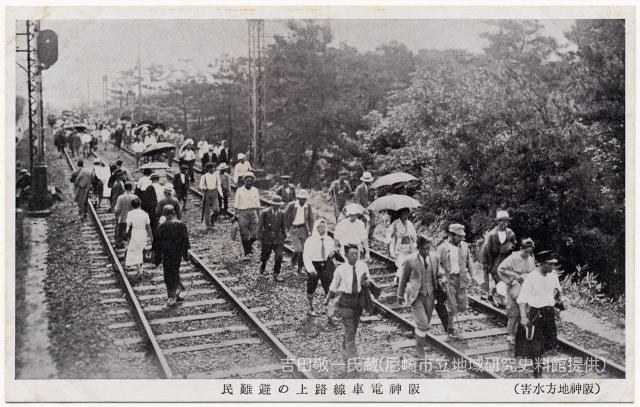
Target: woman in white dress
x=139 y=230
x=402 y=237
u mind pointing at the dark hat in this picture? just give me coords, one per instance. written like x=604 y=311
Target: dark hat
x=285 y=177
x=119 y=162
x=210 y=165
x=547 y=256
x=155 y=175
x=343 y=172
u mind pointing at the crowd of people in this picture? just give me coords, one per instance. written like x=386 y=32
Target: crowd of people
x=429 y=276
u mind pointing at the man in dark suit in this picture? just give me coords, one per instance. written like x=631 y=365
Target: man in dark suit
x=272 y=232
x=181 y=184
x=499 y=244
x=224 y=155
x=418 y=286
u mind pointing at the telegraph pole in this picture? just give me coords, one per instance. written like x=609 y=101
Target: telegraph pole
x=105 y=94
x=42 y=52
x=257 y=100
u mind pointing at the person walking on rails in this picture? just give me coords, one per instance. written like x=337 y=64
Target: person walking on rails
x=455 y=260
x=498 y=246
x=352 y=231
x=247 y=204
x=82 y=179
x=539 y=296
x=139 y=230
x=340 y=192
x=181 y=185
x=299 y=216
x=168 y=200
x=122 y=208
x=188 y=158
x=172 y=247
x=211 y=187
x=286 y=191
x=138 y=148
x=317 y=255
x=348 y=281
x=225 y=182
x=401 y=236
x=512 y=272
x=419 y=277
x=242 y=168
x=272 y=232
x=364 y=196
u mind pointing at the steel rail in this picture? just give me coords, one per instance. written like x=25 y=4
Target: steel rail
x=140 y=318
x=565 y=344
x=250 y=317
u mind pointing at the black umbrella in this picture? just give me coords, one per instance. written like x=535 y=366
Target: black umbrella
x=79 y=127
x=158 y=148
x=125 y=117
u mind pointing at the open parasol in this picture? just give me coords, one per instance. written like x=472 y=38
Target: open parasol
x=158 y=148
x=393 y=178
x=393 y=202
x=141 y=127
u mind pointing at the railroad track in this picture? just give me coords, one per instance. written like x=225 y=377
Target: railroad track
x=483 y=348
x=212 y=334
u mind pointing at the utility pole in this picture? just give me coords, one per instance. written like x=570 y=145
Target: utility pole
x=105 y=95
x=89 y=88
x=257 y=100
x=41 y=197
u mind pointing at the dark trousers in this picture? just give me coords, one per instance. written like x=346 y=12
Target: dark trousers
x=325 y=275
x=277 y=249
x=183 y=199
x=441 y=308
x=545 y=337
x=171 y=274
x=350 y=310
x=297 y=260
x=223 y=202
x=121 y=231
x=247 y=245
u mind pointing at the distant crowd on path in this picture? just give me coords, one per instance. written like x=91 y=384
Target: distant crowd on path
x=148 y=220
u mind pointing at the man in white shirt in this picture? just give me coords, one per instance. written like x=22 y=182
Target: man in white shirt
x=299 y=217
x=105 y=134
x=241 y=169
x=86 y=143
x=247 y=204
x=348 y=281
x=539 y=296
x=138 y=148
x=352 y=231
x=512 y=272
x=317 y=253
x=188 y=157
x=211 y=188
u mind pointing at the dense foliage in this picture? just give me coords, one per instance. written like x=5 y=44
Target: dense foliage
x=525 y=125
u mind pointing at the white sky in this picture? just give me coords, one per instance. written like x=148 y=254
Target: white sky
x=90 y=48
